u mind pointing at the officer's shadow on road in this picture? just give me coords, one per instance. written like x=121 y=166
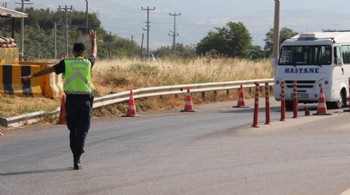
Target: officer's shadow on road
x=37 y=171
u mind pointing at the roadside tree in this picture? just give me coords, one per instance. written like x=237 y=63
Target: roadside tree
x=233 y=40
x=285 y=33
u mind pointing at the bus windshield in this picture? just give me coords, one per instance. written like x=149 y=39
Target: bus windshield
x=306 y=55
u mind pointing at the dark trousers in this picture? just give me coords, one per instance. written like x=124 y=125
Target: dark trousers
x=78 y=115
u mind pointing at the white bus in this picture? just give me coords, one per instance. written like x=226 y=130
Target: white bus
x=315 y=60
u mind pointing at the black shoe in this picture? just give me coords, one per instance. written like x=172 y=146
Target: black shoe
x=77 y=166
x=76 y=162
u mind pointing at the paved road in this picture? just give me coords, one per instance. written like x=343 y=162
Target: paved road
x=212 y=151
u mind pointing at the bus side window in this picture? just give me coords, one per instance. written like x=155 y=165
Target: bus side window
x=345 y=49
x=337 y=56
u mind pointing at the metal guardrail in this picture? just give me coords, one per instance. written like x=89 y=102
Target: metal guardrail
x=175 y=89
x=138 y=93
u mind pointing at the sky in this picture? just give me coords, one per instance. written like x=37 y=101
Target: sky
x=126 y=18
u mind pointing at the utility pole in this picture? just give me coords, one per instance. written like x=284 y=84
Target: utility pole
x=55 y=39
x=174 y=31
x=22 y=24
x=148 y=27
x=143 y=37
x=276 y=34
x=66 y=9
x=110 y=45
x=87 y=16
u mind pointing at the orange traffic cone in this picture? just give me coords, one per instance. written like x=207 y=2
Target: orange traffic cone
x=62 y=118
x=321 y=108
x=131 y=106
x=188 y=102
x=241 y=99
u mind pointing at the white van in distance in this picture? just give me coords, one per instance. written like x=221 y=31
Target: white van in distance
x=315 y=60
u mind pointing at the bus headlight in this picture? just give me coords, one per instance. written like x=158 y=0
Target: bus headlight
x=326 y=82
x=277 y=82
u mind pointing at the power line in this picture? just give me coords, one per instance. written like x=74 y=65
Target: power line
x=148 y=26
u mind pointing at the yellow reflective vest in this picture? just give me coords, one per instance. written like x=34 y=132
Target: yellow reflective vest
x=77 y=76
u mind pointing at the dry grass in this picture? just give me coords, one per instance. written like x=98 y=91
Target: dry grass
x=13 y=106
x=124 y=74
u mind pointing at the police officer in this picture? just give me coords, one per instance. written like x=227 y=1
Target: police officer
x=79 y=97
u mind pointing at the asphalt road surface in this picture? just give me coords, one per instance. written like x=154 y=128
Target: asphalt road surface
x=212 y=151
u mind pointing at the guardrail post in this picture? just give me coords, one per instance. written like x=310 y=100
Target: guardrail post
x=203 y=95
x=267 y=103
x=283 y=102
x=215 y=95
x=256 y=105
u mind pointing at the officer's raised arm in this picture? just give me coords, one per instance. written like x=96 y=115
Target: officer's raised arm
x=92 y=34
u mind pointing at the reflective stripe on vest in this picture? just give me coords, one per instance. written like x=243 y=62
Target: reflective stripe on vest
x=77 y=76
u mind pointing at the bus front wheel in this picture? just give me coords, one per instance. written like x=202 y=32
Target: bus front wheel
x=342 y=102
